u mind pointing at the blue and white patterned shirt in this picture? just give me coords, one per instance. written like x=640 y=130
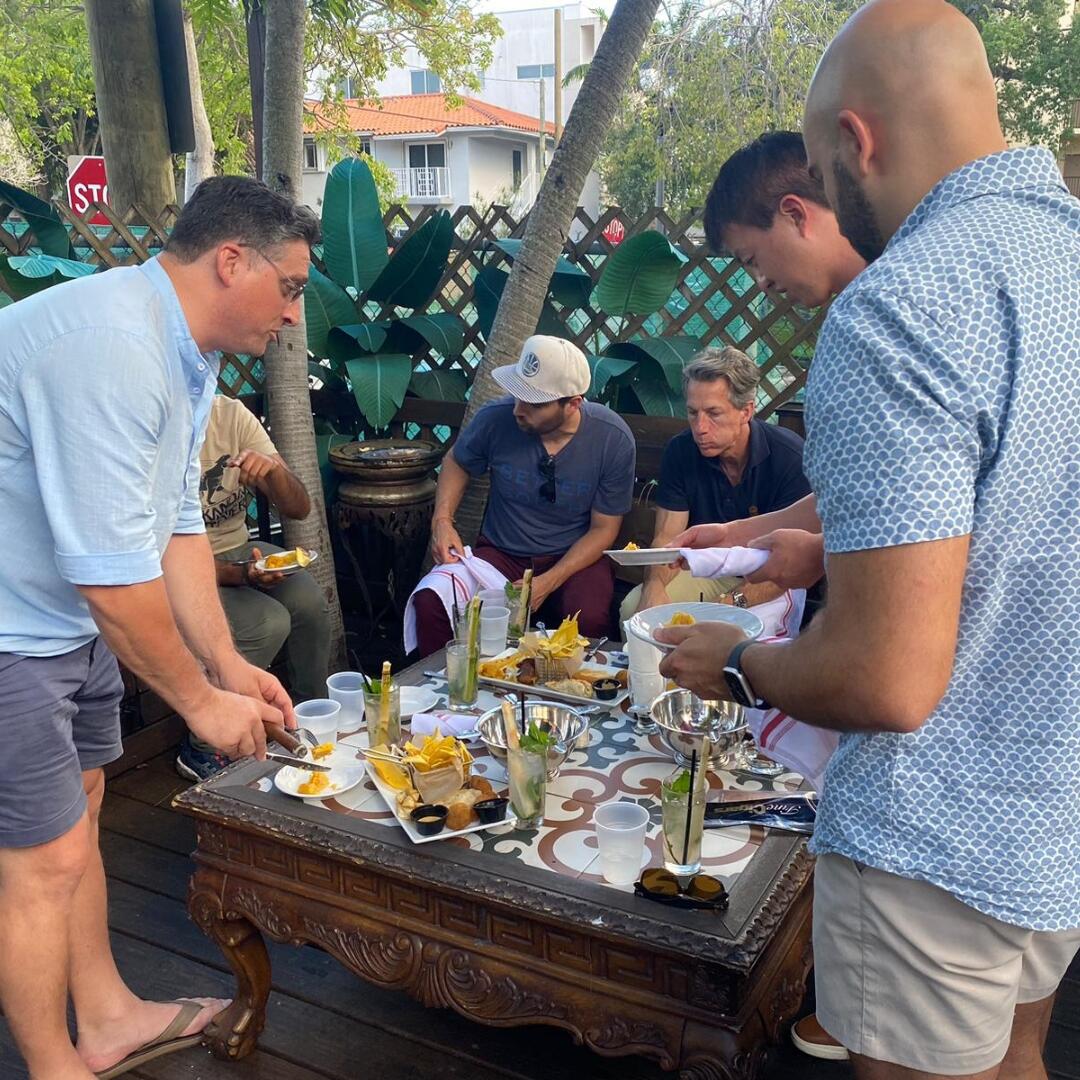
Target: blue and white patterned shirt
x=944 y=400
x=104 y=397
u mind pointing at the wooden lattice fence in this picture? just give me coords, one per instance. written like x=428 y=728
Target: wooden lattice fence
x=715 y=300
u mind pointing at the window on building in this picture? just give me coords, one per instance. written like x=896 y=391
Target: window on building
x=536 y=71
x=311 y=155
x=365 y=146
x=427 y=156
x=425 y=82
x=518 y=167
x=347 y=86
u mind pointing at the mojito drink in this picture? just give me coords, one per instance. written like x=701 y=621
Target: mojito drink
x=528 y=785
x=383 y=725
x=679 y=807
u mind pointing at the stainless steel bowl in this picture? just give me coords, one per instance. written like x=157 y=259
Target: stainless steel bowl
x=684 y=720
x=567 y=724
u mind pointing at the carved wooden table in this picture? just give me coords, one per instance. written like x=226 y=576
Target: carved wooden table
x=512 y=927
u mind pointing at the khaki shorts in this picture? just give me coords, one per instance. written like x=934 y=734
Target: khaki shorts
x=906 y=973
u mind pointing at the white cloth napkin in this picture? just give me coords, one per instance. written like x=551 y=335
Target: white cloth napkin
x=800 y=747
x=723 y=562
x=448 y=723
x=461 y=581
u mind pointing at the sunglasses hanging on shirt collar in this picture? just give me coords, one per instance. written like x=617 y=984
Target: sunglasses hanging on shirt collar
x=546 y=467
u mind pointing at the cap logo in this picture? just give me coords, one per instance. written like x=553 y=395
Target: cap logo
x=530 y=365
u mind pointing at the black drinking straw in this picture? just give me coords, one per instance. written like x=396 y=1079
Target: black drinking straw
x=524 y=730
x=689 y=807
x=367 y=682
x=701 y=597
x=453 y=600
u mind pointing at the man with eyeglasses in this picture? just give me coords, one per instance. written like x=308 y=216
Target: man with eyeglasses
x=562 y=477
x=105 y=387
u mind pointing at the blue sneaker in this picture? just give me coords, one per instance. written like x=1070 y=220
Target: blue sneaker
x=195 y=764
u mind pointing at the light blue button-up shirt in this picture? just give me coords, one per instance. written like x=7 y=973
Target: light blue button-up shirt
x=104 y=398
x=944 y=400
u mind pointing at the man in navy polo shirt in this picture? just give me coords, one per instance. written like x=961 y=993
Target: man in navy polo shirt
x=724 y=467
x=562 y=477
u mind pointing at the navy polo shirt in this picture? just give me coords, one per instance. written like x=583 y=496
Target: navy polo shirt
x=773 y=477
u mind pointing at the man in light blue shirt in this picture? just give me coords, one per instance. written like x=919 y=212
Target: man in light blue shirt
x=105 y=387
x=943 y=416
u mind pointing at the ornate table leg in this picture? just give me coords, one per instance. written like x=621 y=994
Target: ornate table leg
x=234 y=1031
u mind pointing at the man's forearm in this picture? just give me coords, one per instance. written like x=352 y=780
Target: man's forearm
x=453 y=480
x=761 y=593
x=584 y=552
x=191 y=583
x=799 y=515
x=285 y=490
x=138 y=625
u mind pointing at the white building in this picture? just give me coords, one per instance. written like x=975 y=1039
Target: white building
x=489 y=149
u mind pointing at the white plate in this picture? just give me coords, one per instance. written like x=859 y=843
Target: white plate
x=644 y=556
x=558 y=695
x=645 y=622
x=260 y=565
x=417 y=699
x=390 y=798
x=346 y=771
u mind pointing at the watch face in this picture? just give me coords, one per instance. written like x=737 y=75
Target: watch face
x=740 y=689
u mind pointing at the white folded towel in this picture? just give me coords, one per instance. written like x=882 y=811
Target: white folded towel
x=802 y=748
x=459 y=581
x=448 y=723
x=723 y=562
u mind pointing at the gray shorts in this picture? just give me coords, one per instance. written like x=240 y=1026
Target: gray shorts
x=59 y=716
x=906 y=973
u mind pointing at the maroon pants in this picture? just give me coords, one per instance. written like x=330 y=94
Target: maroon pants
x=589 y=591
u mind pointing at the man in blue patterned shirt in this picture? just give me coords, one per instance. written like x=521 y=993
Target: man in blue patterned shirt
x=944 y=451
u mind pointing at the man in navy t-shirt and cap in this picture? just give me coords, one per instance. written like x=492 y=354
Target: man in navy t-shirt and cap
x=562 y=477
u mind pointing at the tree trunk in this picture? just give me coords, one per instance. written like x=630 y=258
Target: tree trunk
x=200 y=162
x=288 y=401
x=131 y=104
x=553 y=213
x=255 y=24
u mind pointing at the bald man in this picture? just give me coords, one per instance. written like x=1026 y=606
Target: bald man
x=944 y=451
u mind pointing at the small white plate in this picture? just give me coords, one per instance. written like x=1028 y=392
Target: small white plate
x=261 y=566
x=346 y=771
x=645 y=622
x=417 y=699
x=644 y=556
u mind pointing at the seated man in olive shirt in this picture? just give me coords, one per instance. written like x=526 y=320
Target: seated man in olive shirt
x=726 y=466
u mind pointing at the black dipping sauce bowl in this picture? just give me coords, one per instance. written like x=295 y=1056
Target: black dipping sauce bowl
x=606 y=689
x=429 y=819
x=491 y=810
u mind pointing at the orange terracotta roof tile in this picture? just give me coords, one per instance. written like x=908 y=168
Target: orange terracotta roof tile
x=415 y=114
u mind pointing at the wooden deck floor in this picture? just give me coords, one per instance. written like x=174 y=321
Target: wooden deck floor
x=324 y=1024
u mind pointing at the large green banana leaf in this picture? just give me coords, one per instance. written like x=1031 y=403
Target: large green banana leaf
x=667 y=355
x=605 y=368
x=570 y=285
x=487 y=292
x=442 y=332
x=354 y=237
x=439 y=385
x=370 y=337
x=639 y=276
x=656 y=397
x=326 y=305
x=379 y=383
x=417 y=265
x=50 y=266
x=16 y=285
x=44 y=222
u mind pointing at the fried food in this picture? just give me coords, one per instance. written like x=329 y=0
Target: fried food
x=631 y=546
x=577 y=687
x=285 y=559
x=318 y=783
x=322 y=750
x=682 y=618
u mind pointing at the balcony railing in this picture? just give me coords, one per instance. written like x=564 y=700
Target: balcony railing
x=430 y=183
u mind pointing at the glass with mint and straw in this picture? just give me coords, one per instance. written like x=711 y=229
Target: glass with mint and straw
x=682 y=806
x=463 y=659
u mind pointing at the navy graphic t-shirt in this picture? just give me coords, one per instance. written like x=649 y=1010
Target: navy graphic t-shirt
x=594 y=471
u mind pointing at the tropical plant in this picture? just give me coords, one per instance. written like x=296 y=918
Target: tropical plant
x=353 y=309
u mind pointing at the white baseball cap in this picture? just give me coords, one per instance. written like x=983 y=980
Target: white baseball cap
x=550 y=368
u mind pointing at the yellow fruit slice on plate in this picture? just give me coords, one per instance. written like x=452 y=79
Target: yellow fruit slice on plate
x=392 y=775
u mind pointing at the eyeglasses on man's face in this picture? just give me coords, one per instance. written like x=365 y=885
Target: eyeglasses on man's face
x=291 y=289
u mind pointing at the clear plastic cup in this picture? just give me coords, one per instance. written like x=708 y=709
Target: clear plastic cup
x=320 y=717
x=642 y=655
x=347 y=689
x=645 y=687
x=495 y=597
x=494 y=624
x=620 y=838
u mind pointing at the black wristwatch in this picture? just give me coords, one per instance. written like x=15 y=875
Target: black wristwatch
x=738 y=598
x=742 y=693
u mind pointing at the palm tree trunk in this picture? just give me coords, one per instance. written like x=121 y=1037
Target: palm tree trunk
x=553 y=213
x=200 y=162
x=288 y=402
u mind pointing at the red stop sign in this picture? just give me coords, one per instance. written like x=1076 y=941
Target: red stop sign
x=615 y=233
x=87 y=184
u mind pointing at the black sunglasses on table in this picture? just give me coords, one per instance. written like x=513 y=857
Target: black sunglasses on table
x=547 y=471
x=700 y=891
